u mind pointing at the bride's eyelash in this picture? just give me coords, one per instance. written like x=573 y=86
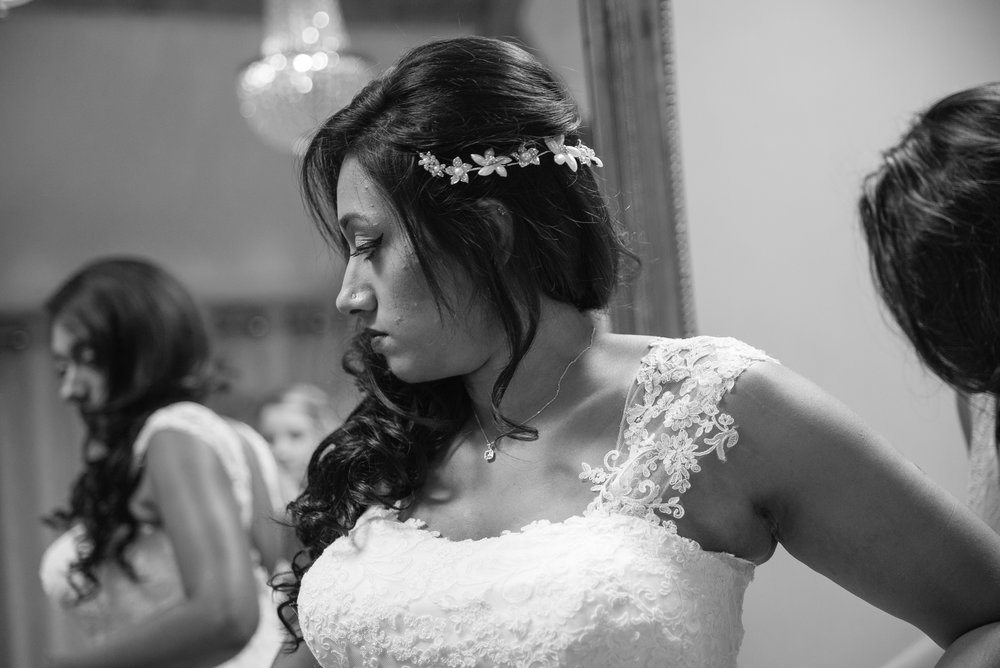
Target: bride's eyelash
x=368 y=247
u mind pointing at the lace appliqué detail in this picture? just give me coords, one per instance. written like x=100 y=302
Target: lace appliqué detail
x=672 y=420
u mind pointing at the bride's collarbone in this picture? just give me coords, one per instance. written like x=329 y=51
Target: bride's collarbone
x=504 y=495
x=527 y=480
x=487 y=499
x=462 y=521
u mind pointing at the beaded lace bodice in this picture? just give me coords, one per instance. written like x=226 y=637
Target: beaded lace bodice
x=613 y=586
x=122 y=601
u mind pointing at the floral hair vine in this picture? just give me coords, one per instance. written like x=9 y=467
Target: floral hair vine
x=490 y=163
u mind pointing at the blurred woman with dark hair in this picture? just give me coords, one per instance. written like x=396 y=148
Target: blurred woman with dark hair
x=168 y=535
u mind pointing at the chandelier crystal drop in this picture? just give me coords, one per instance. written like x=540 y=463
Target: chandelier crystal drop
x=305 y=72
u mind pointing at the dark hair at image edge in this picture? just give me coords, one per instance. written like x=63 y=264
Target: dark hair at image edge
x=144 y=333
x=451 y=98
x=931 y=218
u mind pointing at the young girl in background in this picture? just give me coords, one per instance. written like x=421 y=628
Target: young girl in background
x=293 y=423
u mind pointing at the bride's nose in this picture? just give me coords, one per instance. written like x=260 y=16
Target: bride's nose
x=354 y=297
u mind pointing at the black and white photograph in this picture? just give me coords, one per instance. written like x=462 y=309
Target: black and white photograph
x=499 y=333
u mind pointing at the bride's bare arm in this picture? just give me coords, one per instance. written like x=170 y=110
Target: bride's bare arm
x=848 y=505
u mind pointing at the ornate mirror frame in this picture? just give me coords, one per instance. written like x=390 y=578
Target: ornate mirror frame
x=628 y=50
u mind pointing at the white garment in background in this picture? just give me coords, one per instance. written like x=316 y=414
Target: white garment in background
x=121 y=601
x=984 y=477
x=612 y=586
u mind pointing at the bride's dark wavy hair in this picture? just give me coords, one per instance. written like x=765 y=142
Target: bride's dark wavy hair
x=451 y=98
x=141 y=329
x=931 y=217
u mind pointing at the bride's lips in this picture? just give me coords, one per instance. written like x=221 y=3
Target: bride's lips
x=375 y=336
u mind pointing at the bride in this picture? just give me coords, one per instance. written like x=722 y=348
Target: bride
x=520 y=487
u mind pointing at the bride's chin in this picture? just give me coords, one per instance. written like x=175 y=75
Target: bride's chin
x=408 y=371
x=408 y=375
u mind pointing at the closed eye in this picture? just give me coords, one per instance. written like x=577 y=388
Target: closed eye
x=368 y=248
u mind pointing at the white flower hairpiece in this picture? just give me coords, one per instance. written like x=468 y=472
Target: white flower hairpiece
x=491 y=163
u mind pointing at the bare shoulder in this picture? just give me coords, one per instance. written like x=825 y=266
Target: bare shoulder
x=176 y=460
x=770 y=399
x=793 y=426
x=625 y=348
x=613 y=363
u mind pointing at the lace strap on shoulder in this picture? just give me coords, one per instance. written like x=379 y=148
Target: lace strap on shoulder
x=671 y=421
x=681 y=382
x=209 y=428
x=190 y=418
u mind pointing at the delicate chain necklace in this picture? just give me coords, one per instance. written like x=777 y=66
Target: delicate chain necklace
x=490 y=453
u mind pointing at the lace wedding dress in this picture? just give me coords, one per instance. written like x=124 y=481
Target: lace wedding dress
x=613 y=586
x=121 y=601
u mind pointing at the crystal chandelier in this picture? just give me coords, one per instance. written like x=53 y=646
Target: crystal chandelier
x=304 y=73
x=7 y=5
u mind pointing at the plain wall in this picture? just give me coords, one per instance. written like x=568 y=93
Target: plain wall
x=784 y=105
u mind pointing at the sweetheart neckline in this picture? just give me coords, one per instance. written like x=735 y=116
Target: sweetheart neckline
x=420 y=525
